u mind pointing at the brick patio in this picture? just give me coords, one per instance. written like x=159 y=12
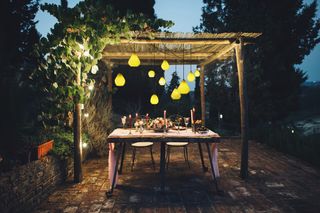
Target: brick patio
x=277 y=183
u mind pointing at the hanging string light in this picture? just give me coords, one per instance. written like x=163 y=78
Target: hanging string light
x=134 y=60
x=183 y=87
x=175 y=95
x=162 y=81
x=154 y=100
x=165 y=64
x=197 y=73
x=151 y=72
x=119 y=80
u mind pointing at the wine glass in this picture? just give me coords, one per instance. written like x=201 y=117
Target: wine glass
x=123 y=121
x=186 y=121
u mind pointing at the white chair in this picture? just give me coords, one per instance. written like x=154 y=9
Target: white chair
x=183 y=145
x=139 y=145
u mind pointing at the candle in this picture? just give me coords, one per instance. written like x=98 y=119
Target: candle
x=191 y=115
x=147 y=118
x=136 y=117
x=194 y=113
x=164 y=117
x=130 y=121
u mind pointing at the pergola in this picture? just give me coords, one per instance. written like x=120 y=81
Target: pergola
x=188 y=48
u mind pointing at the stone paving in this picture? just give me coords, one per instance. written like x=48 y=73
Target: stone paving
x=277 y=183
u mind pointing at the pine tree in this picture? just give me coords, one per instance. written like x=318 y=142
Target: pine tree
x=290 y=31
x=17 y=42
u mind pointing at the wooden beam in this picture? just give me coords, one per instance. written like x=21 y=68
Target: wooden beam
x=158 y=55
x=218 y=55
x=202 y=96
x=243 y=109
x=175 y=41
x=77 y=136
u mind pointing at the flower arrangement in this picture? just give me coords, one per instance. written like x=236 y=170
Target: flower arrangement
x=159 y=123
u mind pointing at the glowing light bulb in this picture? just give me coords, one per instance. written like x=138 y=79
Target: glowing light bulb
x=134 y=60
x=119 y=80
x=184 y=88
x=94 y=69
x=86 y=115
x=165 y=65
x=84 y=145
x=162 y=81
x=191 y=77
x=197 y=73
x=154 y=100
x=90 y=87
x=175 y=95
x=151 y=74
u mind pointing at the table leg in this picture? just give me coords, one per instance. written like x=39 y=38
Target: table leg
x=212 y=168
x=204 y=168
x=119 y=152
x=122 y=157
x=162 y=165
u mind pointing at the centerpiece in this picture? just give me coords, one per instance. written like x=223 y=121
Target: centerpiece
x=160 y=124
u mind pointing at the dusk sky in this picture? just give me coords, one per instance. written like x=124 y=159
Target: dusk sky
x=186 y=14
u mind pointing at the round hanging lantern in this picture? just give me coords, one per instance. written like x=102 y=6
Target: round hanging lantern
x=165 y=65
x=175 y=95
x=184 y=88
x=151 y=74
x=119 y=80
x=162 y=81
x=154 y=100
x=197 y=73
x=134 y=60
x=190 y=77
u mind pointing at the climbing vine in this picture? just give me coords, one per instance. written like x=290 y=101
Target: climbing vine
x=75 y=44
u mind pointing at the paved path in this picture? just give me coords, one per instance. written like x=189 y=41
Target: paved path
x=277 y=183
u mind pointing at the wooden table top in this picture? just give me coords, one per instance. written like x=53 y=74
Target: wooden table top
x=122 y=135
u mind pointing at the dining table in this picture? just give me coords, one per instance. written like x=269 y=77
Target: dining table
x=124 y=136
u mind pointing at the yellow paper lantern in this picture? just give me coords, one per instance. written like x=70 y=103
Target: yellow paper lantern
x=134 y=60
x=120 y=80
x=165 y=65
x=162 y=81
x=154 y=100
x=197 y=73
x=175 y=95
x=151 y=74
x=184 y=88
x=191 y=77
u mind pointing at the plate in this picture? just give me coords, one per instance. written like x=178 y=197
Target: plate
x=180 y=128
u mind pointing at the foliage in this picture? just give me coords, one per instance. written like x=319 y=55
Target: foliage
x=98 y=124
x=290 y=31
x=18 y=100
x=75 y=45
x=289 y=139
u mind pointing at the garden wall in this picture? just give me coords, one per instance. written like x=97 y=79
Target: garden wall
x=26 y=186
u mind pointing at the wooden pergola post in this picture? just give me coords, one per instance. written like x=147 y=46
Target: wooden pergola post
x=202 y=96
x=243 y=108
x=77 y=136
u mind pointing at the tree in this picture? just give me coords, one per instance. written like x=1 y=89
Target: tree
x=17 y=62
x=289 y=32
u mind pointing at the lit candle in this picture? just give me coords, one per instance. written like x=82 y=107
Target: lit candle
x=191 y=115
x=130 y=121
x=136 y=117
x=147 y=118
x=194 y=113
x=164 y=117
